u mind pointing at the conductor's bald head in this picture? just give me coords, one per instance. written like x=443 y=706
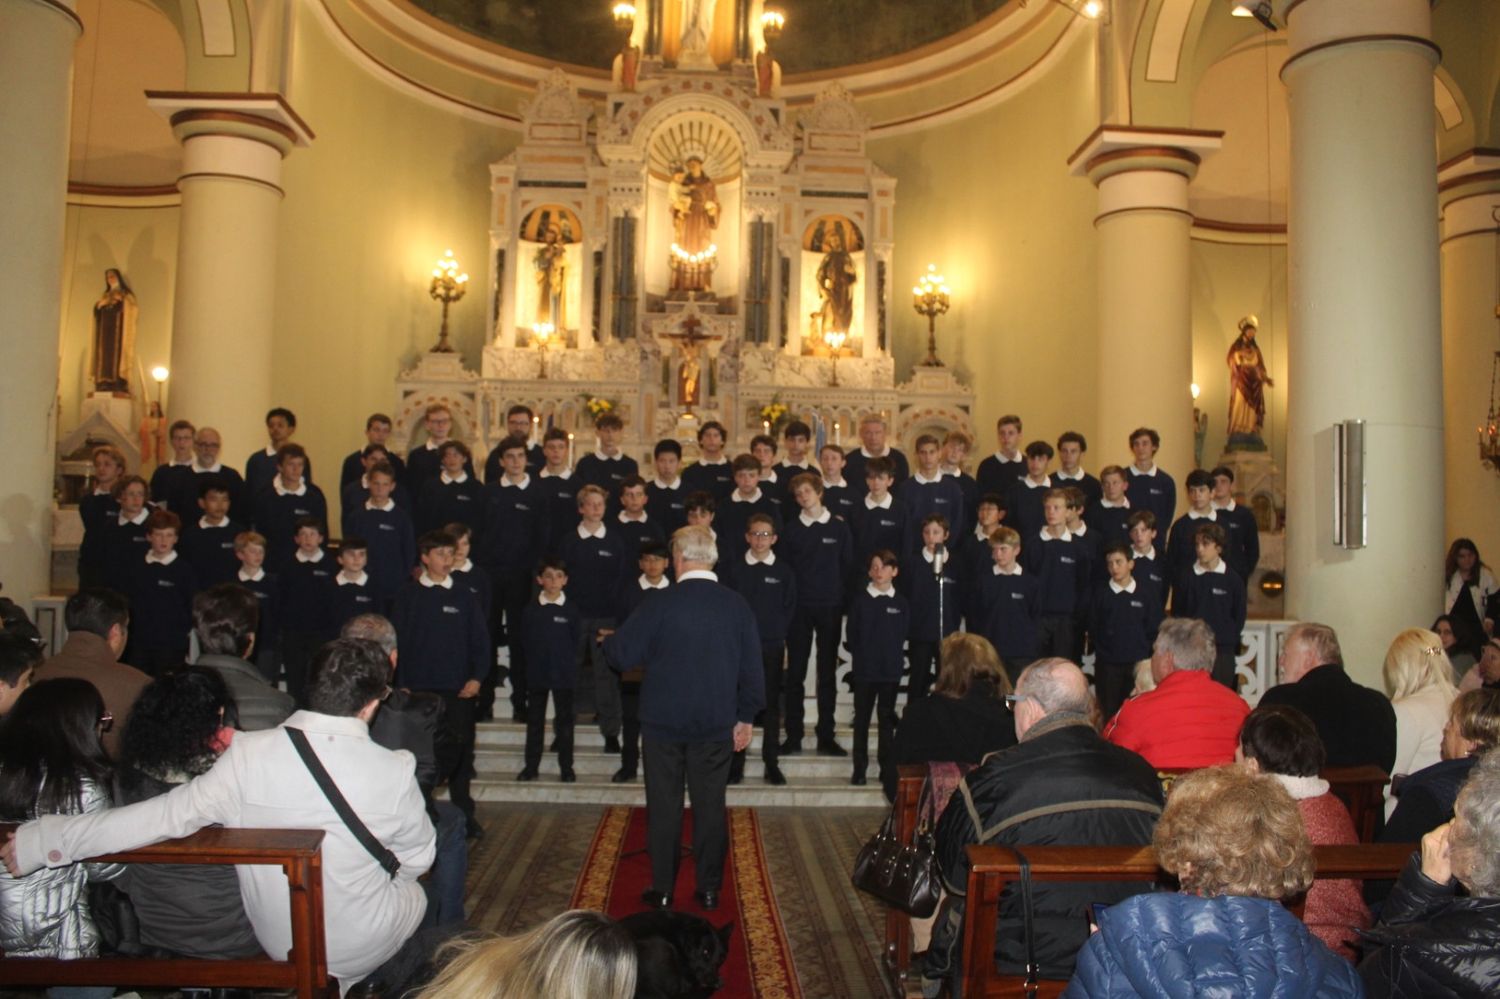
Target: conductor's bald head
x=693 y=548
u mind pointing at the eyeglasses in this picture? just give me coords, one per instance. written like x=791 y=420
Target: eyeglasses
x=106 y=721
x=1011 y=700
x=762 y=534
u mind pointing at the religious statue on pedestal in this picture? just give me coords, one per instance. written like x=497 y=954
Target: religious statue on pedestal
x=551 y=265
x=1248 y=380
x=114 y=334
x=697 y=29
x=836 y=286
x=695 y=215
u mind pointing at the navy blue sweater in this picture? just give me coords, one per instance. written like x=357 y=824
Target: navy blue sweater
x=607 y=474
x=968 y=488
x=1063 y=572
x=276 y=517
x=354 y=468
x=595 y=568
x=477 y=581
x=559 y=498
x=355 y=495
x=1157 y=493
x=921 y=499
x=1092 y=490
x=211 y=552
x=822 y=558
x=260 y=469
x=922 y=593
x=125 y=545
x=731 y=519
x=1123 y=625
x=441 y=639
x=843 y=501
x=550 y=634
x=1109 y=522
x=1218 y=598
x=97 y=511
x=874 y=529
x=515 y=525
x=1023 y=508
x=701 y=651
x=668 y=507
x=632 y=595
x=307 y=596
x=1009 y=608
x=393 y=547
x=171 y=485
x=995 y=476
x=442 y=503
x=422 y=464
x=494 y=471
x=854 y=469
x=1181 y=550
x=349 y=600
x=716 y=480
x=1243 y=551
x=161 y=603
x=877 y=636
x=635 y=534
x=771 y=592
x=1154 y=572
x=267 y=591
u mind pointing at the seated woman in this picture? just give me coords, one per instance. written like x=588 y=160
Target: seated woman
x=1419 y=680
x=964 y=718
x=574 y=955
x=1283 y=742
x=1459 y=655
x=178 y=727
x=1236 y=842
x=1433 y=940
x=1425 y=799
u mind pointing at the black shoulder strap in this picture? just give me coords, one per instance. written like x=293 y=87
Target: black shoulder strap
x=384 y=857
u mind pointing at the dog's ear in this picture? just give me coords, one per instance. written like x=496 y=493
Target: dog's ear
x=725 y=932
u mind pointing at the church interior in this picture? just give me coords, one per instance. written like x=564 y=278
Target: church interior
x=684 y=211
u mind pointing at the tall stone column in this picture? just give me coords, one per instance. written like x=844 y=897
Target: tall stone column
x=1145 y=313
x=232 y=148
x=1469 y=192
x=36 y=77
x=1364 y=340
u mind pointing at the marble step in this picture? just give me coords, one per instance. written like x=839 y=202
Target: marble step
x=821 y=792
x=502 y=764
x=843 y=712
x=508 y=735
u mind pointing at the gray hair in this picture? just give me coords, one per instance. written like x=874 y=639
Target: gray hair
x=1474 y=839
x=1319 y=639
x=372 y=628
x=1056 y=684
x=695 y=543
x=1189 y=641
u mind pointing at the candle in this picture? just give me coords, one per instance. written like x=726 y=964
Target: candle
x=570 y=449
x=838 y=435
x=536 y=426
x=765 y=426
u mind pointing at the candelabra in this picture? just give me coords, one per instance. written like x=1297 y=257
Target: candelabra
x=835 y=341
x=448 y=286
x=542 y=334
x=930 y=299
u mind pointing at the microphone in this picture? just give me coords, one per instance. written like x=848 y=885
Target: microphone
x=939 y=557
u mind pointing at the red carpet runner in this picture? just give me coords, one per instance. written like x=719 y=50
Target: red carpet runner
x=617 y=871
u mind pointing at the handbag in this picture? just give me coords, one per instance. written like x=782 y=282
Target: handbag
x=902 y=875
x=1033 y=970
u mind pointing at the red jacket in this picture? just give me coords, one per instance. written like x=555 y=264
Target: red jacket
x=1189 y=720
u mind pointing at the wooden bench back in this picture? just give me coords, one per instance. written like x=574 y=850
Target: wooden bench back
x=296 y=851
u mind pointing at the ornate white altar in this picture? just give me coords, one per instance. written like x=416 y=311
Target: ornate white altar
x=685 y=257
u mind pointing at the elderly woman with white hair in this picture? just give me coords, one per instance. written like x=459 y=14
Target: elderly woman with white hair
x=1439 y=928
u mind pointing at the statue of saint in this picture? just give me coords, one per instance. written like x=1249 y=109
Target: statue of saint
x=114 y=334
x=836 y=285
x=695 y=215
x=551 y=265
x=689 y=384
x=1248 y=381
x=697 y=27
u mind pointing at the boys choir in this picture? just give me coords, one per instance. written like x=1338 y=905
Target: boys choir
x=547 y=559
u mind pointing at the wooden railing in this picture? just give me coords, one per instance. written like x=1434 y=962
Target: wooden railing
x=295 y=851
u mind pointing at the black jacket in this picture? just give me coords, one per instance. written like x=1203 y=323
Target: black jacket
x=1357 y=724
x=414 y=722
x=942 y=729
x=1432 y=942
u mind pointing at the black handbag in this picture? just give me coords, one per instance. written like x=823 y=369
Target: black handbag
x=902 y=875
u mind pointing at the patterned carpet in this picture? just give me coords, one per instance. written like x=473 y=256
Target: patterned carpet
x=523 y=871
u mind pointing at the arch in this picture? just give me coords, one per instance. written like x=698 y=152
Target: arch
x=635 y=122
x=218 y=40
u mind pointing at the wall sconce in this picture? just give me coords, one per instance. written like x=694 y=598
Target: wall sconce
x=930 y=299
x=624 y=15
x=448 y=286
x=1261 y=11
x=772 y=21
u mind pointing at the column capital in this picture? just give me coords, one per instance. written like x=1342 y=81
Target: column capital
x=1469 y=193
x=264 y=118
x=1114 y=149
x=1320 y=25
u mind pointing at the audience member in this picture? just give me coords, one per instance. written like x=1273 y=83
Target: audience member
x=224 y=622
x=574 y=955
x=1469 y=588
x=1419 y=679
x=98 y=623
x=19 y=658
x=1424 y=800
x=1238 y=847
x=1188 y=720
x=1461 y=656
x=1356 y=724
x=1486 y=672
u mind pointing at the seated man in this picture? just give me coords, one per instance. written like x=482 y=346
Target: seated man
x=98 y=623
x=261 y=782
x=225 y=618
x=1188 y=720
x=1060 y=785
x=1357 y=724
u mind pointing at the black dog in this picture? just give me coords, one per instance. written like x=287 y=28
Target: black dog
x=678 y=955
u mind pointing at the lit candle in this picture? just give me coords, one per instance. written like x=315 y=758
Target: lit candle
x=838 y=435
x=570 y=449
x=536 y=426
x=765 y=426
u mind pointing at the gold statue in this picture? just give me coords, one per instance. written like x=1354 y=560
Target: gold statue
x=695 y=215
x=551 y=265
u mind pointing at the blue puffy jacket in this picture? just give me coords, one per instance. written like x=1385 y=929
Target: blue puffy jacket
x=1169 y=945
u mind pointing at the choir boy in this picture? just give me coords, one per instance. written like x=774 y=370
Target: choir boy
x=173 y=483
x=125 y=542
x=636 y=526
x=209 y=543
x=763 y=450
x=711 y=472
x=797 y=437
x=1243 y=551
x=161 y=599
x=556 y=491
x=879 y=522
x=1092 y=541
x=207 y=446
x=821 y=552
x=511 y=542
x=442 y=649
x=936 y=593
x=1025 y=506
x=306 y=605
x=290 y=497
x=453 y=495
x=357 y=492
x=1213 y=593
x=879 y=620
x=378 y=433
x=1070 y=448
x=595 y=557
x=1182 y=545
x=770 y=588
x=973 y=552
x=607 y=466
x=1108 y=516
x=352 y=594
x=701 y=508
x=425 y=462
x=956 y=446
x=261 y=467
x=838 y=495
x=388 y=531
x=929 y=492
x=653 y=560
x=1123 y=617
x=1010 y=604
x=748 y=497
x=1149 y=564
x=99 y=510
x=551 y=632
x=471 y=577
x=1060 y=563
x=1001 y=470
x=519 y=422
x=666 y=495
x=1148 y=487
x=250 y=549
x=872 y=433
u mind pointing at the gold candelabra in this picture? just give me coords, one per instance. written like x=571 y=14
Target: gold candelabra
x=835 y=341
x=930 y=299
x=542 y=334
x=448 y=286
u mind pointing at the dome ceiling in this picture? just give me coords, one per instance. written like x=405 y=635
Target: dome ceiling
x=820 y=34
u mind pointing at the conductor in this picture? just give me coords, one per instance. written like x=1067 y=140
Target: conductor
x=703 y=684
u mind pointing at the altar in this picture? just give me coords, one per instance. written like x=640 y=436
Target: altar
x=686 y=251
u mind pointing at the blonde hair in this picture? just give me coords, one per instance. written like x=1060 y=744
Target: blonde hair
x=1227 y=831
x=575 y=955
x=967 y=657
x=1416 y=661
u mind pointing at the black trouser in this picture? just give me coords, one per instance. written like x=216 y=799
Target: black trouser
x=630 y=725
x=512 y=589
x=1113 y=682
x=1224 y=670
x=704 y=768
x=297 y=651
x=772 y=656
x=926 y=662
x=1014 y=665
x=458 y=716
x=156 y=662
x=562 y=725
x=1054 y=636
x=878 y=696
x=825 y=622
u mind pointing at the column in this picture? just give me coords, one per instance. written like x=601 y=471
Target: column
x=1365 y=338
x=1145 y=346
x=36 y=77
x=1469 y=192
x=223 y=312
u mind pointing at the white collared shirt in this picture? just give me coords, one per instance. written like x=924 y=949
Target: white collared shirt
x=1195 y=515
x=707 y=574
x=608 y=457
x=1014 y=570
x=1002 y=459
x=139 y=518
x=562 y=598
x=1137 y=471
x=450 y=480
x=737 y=498
x=1080 y=531
x=428 y=581
x=722 y=461
x=1066 y=535
x=646 y=584
x=821 y=518
x=1075 y=477
x=768 y=475
x=675 y=483
x=270 y=451
x=928 y=555
x=1220 y=568
x=884 y=504
x=205 y=524
x=385 y=507
x=302 y=556
x=1227 y=507
x=251 y=577
x=1127 y=588
x=981 y=534
x=433 y=445
x=833 y=483
x=1044 y=484
x=282 y=490
x=918 y=477
x=625 y=518
x=506 y=483
x=154 y=559
x=874 y=592
x=801 y=466
x=750 y=558
x=215 y=468
x=360 y=580
x=1124 y=504
x=183 y=464
x=467 y=565
x=1150 y=554
x=547 y=473
x=884 y=454
x=598 y=532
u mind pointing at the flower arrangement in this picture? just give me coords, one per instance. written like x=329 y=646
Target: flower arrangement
x=776 y=414
x=597 y=405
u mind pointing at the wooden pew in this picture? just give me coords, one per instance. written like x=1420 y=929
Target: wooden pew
x=1362 y=790
x=296 y=851
x=992 y=868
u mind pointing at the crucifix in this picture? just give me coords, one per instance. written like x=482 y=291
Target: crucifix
x=689 y=374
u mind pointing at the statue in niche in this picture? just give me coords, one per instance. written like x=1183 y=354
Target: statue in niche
x=697 y=26
x=114 y=334
x=689 y=377
x=695 y=215
x=836 y=285
x=1248 y=380
x=551 y=265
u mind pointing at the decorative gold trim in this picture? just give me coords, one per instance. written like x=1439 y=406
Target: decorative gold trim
x=236 y=117
x=1353 y=39
x=121 y=190
x=1257 y=228
x=1152 y=152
